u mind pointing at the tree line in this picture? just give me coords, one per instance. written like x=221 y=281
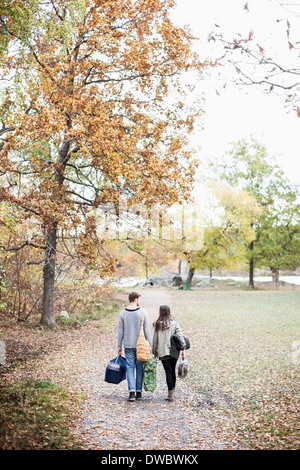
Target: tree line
x=259 y=222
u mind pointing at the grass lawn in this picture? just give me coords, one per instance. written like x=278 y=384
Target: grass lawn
x=244 y=361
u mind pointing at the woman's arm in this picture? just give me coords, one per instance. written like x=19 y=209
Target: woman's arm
x=154 y=343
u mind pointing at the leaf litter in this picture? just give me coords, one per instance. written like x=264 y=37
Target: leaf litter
x=204 y=415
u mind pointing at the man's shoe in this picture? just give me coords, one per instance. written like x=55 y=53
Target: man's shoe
x=138 y=396
x=131 y=396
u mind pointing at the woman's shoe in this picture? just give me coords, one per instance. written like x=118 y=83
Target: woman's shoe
x=171 y=395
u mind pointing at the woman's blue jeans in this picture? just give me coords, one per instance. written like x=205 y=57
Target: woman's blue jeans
x=134 y=371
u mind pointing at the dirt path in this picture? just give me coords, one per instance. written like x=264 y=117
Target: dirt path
x=108 y=421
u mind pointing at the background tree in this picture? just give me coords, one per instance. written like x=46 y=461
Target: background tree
x=228 y=229
x=89 y=117
x=278 y=246
x=17 y=19
x=252 y=169
x=145 y=257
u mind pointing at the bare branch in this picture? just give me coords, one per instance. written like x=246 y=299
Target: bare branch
x=20 y=247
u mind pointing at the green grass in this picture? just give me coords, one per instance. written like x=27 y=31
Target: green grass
x=34 y=415
x=242 y=365
x=102 y=314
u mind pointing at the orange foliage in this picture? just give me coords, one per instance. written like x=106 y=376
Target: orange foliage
x=94 y=117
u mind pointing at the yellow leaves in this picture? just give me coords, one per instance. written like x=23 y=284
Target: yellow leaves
x=139 y=31
x=238 y=206
x=175 y=144
x=234 y=197
x=84 y=150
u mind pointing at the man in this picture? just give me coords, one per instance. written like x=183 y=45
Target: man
x=129 y=329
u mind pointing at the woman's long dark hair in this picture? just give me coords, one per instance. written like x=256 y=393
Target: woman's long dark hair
x=163 y=318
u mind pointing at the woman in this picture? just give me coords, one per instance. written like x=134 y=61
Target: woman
x=163 y=346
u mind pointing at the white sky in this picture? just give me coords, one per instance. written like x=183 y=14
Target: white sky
x=240 y=113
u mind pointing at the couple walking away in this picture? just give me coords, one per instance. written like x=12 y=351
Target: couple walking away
x=166 y=329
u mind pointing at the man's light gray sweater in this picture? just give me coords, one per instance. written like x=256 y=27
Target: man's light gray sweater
x=130 y=325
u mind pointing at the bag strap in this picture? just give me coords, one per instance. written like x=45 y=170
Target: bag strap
x=142 y=320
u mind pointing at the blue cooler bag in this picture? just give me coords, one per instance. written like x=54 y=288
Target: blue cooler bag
x=116 y=370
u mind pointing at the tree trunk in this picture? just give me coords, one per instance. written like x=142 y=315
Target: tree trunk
x=190 y=275
x=251 y=267
x=275 y=276
x=146 y=268
x=48 y=318
x=179 y=266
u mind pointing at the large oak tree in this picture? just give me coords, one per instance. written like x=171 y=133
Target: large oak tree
x=91 y=113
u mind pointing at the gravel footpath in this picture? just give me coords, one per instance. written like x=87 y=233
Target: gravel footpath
x=105 y=420
x=108 y=421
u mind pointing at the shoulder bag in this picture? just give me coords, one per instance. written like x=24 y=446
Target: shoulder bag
x=143 y=348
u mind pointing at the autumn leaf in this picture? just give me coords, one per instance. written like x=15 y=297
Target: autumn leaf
x=139 y=31
x=261 y=50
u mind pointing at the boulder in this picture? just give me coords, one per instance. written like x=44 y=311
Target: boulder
x=155 y=280
x=177 y=281
x=64 y=314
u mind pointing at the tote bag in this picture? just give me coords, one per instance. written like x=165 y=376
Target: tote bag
x=143 y=348
x=183 y=369
x=116 y=370
x=149 y=379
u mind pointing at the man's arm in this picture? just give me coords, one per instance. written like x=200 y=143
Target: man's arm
x=147 y=331
x=120 y=333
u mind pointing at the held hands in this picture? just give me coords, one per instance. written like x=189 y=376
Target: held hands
x=120 y=352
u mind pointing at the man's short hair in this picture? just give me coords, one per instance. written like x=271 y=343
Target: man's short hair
x=133 y=295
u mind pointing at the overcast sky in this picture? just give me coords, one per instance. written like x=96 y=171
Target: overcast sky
x=240 y=113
